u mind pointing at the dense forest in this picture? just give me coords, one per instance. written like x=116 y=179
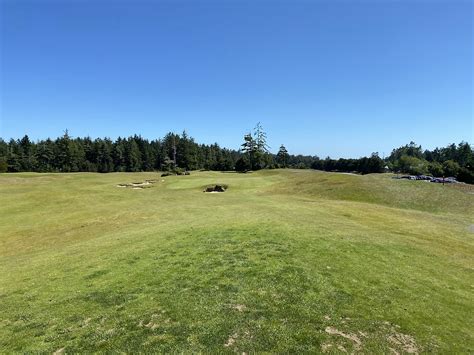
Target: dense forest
x=180 y=152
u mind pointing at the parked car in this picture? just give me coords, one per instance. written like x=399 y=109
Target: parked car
x=451 y=180
x=448 y=180
x=424 y=177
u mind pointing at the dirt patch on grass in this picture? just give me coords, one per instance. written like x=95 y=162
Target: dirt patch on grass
x=404 y=341
x=85 y=322
x=471 y=228
x=154 y=322
x=341 y=348
x=151 y=325
x=396 y=342
x=326 y=347
x=231 y=340
x=352 y=337
x=239 y=307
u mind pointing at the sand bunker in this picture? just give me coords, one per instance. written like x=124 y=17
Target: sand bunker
x=215 y=188
x=138 y=185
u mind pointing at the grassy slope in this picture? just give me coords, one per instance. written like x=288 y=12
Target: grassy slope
x=268 y=265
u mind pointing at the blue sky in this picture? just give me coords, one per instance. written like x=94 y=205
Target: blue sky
x=338 y=78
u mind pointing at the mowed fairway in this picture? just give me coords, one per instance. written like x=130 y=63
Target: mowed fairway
x=283 y=261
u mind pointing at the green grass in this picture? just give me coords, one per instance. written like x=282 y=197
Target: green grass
x=283 y=261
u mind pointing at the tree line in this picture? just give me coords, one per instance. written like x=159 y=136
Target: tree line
x=180 y=152
x=132 y=154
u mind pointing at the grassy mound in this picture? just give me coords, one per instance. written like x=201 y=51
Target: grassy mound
x=285 y=261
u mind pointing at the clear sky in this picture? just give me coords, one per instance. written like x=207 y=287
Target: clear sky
x=338 y=78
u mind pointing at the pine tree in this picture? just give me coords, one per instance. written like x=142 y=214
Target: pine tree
x=105 y=161
x=133 y=156
x=63 y=153
x=13 y=156
x=77 y=155
x=156 y=148
x=243 y=164
x=282 y=156
x=249 y=147
x=45 y=156
x=119 y=154
x=186 y=152
x=260 y=138
x=261 y=156
x=256 y=148
x=3 y=156
x=27 y=158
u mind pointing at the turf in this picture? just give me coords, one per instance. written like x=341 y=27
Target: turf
x=283 y=261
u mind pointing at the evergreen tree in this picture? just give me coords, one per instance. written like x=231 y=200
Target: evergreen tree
x=45 y=156
x=3 y=156
x=282 y=157
x=77 y=155
x=133 y=156
x=169 y=147
x=243 y=164
x=3 y=164
x=249 y=147
x=260 y=139
x=63 y=152
x=261 y=148
x=89 y=151
x=119 y=155
x=256 y=148
x=13 y=156
x=187 y=152
x=157 y=154
x=26 y=154
x=105 y=161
